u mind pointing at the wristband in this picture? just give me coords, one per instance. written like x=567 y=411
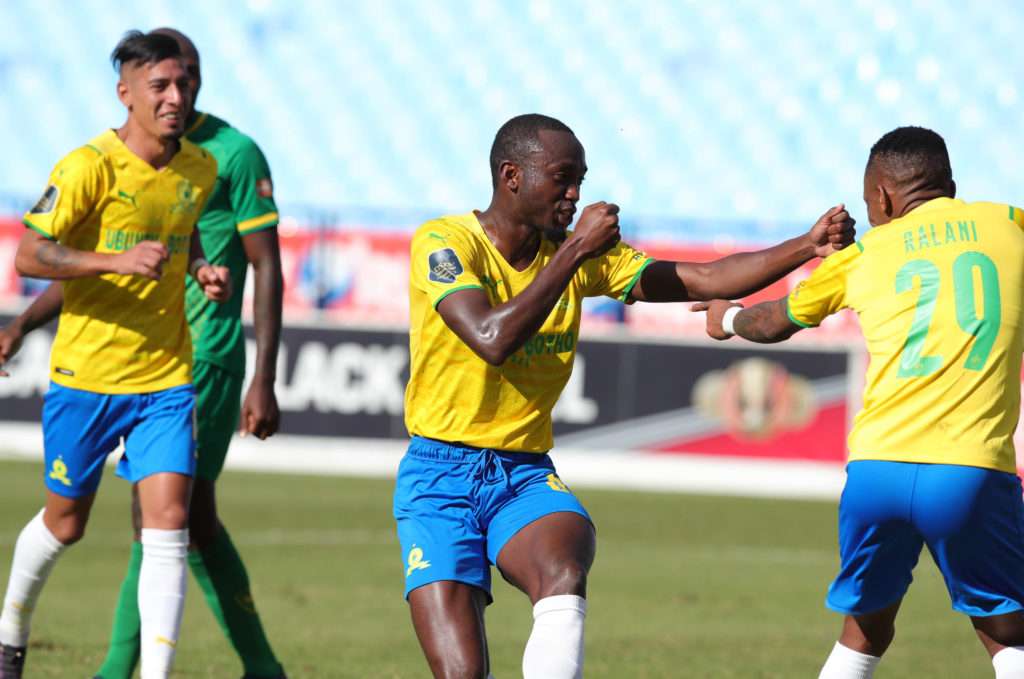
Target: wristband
x=196 y=264
x=728 y=317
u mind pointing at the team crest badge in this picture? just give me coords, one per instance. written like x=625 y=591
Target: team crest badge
x=186 y=204
x=264 y=188
x=46 y=202
x=444 y=266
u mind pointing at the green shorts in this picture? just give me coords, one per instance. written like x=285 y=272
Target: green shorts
x=218 y=406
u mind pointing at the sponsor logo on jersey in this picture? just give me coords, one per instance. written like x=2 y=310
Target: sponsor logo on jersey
x=264 y=187
x=416 y=560
x=444 y=266
x=492 y=286
x=46 y=202
x=128 y=196
x=186 y=204
x=65 y=371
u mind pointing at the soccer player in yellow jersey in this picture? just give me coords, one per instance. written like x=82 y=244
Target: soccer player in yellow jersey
x=495 y=301
x=938 y=286
x=117 y=226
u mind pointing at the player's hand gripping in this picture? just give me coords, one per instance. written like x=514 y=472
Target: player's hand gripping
x=716 y=309
x=597 y=230
x=832 y=232
x=215 y=282
x=10 y=342
x=145 y=258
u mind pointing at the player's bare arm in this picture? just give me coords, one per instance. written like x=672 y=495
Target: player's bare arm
x=260 y=413
x=764 y=323
x=42 y=257
x=41 y=311
x=744 y=273
x=214 y=280
x=495 y=333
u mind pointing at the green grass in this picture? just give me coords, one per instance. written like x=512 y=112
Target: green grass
x=683 y=586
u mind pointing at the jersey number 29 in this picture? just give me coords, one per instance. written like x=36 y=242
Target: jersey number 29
x=984 y=329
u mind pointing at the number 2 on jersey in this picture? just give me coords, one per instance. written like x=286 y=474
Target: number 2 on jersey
x=983 y=329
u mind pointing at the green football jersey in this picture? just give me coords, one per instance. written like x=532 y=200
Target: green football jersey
x=242 y=201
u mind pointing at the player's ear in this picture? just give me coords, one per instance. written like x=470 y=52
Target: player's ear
x=509 y=174
x=886 y=204
x=952 y=189
x=124 y=93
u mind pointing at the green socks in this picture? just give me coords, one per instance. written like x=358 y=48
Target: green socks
x=221 y=575
x=123 y=654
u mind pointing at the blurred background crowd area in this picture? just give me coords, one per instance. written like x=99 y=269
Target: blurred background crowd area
x=716 y=126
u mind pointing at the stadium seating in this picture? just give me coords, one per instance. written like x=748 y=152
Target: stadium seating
x=699 y=118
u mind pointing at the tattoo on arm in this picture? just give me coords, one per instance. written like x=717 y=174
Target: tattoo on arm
x=766 y=322
x=56 y=256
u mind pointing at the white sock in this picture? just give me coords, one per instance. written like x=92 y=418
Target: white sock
x=35 y=554
x=1009 y=663
x=163 y=579
x=555 y=647
x=846 y=663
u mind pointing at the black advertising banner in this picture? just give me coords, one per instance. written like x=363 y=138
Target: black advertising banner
x=629 y=393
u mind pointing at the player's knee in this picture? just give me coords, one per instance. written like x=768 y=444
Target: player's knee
x=203 y=530
x=167 y=517
x=68 y=530
x=565 y=577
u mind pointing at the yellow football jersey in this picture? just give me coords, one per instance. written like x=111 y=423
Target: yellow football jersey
x=939 y=293
x=453 y=394
x=124 y=334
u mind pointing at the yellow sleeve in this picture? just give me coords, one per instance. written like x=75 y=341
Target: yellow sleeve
x=824 y=293
x=614 y=273
x=76 y=184
x=442 y=260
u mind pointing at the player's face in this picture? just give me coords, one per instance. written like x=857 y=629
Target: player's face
x=191 y=59
x=158 y=97
x=551 y=179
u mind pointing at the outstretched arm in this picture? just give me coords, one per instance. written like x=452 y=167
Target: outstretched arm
x=260 y=413
x=744 y=273
x=765 y=323
x=43 y=309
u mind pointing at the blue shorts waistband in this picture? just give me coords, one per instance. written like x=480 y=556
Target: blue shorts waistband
x=423 y=448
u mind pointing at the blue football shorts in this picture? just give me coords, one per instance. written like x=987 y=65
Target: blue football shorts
x=456 y=506
x=971 y=519
x=80 y=428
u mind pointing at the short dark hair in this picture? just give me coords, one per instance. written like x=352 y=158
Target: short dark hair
x=518 y=137
x=912 y=155
x=139 y=48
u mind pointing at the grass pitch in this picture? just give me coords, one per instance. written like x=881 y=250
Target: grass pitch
x=683 y=586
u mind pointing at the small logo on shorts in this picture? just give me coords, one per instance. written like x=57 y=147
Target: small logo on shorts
x=556 y=483
x=60 y=472
x=416 y=560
